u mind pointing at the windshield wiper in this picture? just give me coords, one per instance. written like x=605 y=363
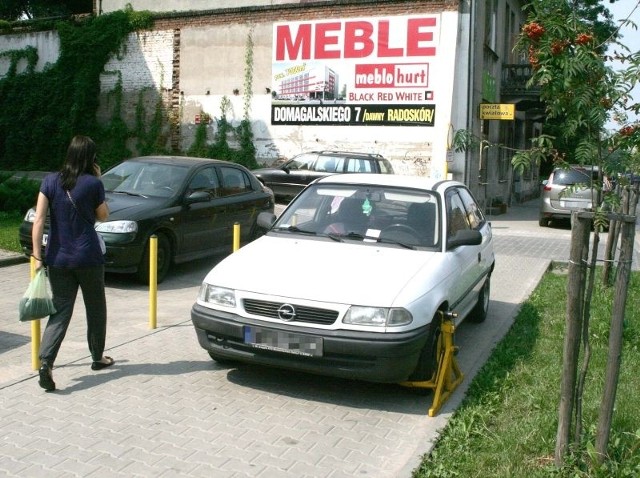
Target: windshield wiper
x=399 y=243
x=296 y=229
x=128 y=193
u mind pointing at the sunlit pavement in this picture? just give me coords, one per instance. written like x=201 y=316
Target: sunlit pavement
x=165 y=409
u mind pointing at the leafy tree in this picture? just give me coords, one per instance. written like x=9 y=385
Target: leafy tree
x=12 y=10
x=567 y=48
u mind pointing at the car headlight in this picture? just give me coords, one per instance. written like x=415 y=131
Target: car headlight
x=118 y=227
x=217 y=295
x=30 y=216
x=377 y=316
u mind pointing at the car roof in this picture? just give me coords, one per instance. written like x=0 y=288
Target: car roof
x=397 y=180
x=176 y=160
x=355 y=154
x=578 y=167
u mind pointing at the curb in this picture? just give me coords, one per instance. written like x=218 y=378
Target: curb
x=11 y=259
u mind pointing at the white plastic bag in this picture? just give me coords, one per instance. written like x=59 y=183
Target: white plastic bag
x=36 y=302
x=103 y=246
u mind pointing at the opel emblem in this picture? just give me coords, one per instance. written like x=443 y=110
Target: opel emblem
x=287 y=312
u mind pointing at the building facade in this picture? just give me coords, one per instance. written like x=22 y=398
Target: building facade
x=391 y=77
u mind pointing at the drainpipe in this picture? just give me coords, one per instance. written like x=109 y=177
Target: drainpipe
x=470 y=83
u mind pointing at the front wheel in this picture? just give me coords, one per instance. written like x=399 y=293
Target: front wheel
x=164 y=260
x=479 y=312
x=428 y=361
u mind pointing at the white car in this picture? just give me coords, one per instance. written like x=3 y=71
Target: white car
x=350 y=279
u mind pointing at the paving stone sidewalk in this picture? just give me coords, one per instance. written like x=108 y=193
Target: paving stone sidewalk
x=166 y=410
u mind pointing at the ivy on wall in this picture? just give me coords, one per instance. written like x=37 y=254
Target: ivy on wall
x=41 y=111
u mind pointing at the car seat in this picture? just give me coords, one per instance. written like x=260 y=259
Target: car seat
x=351 y=216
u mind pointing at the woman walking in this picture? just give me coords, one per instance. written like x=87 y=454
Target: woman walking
x=74 y=198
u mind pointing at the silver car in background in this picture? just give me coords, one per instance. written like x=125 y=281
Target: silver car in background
x=568 y=190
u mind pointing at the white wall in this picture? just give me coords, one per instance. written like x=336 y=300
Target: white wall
x=212 y=59
x=46 y=43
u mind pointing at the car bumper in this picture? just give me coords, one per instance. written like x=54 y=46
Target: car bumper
x=123 y=259
x=552 y=210
x=373 y=357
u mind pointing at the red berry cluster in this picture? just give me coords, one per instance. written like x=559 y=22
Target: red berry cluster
x=584 y=39
x=533 y=58
x=533 y=30
x=558 y=46
x=628 y=130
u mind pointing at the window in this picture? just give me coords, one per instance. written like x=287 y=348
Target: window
x=234 y=181
x=329 y=164
x=458 y=219
x=302 y=161
x=359 y=165
x=205 y=180
x=474 y=215
x=490 y=24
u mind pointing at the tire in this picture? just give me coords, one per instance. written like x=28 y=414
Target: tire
x=428 y=361
x=543 y=222
x=479 y=312
x=164 y=260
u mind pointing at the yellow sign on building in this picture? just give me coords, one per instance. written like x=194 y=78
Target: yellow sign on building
x=496 y=111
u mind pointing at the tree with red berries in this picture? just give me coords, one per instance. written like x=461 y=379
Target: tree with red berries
x=567 y=51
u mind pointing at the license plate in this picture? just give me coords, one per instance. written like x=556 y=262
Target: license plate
x=575 y=204
x=45 y=238
x=291 y=343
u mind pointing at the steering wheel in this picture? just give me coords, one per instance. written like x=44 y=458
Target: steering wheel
x=400 y=232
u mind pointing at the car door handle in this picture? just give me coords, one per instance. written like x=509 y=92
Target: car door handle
x=479 y=257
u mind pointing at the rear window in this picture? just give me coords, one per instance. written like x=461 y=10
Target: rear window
x=569 y=177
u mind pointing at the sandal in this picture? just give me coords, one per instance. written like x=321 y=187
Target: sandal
x=100 y=364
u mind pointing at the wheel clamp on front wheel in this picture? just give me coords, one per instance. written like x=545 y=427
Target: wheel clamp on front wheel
x=448 y=375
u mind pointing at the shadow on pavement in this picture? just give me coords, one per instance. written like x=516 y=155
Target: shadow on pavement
x=10 y=341
x=341 y=392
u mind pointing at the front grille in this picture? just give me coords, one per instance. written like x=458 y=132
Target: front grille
x=312 y=315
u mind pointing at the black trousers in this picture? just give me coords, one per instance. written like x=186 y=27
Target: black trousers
x=64 y=288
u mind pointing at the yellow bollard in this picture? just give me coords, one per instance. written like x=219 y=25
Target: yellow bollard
x=236 y=237
x=153 y=282
x=35 y=330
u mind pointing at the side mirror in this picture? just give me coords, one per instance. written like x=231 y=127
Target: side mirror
x=265 y=220
x=465 y=237
x=197 y=196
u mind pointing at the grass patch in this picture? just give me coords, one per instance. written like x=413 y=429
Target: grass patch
x=506 y=426
x=9 y=224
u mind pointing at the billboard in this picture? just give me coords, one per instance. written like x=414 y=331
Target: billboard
x=358 y=71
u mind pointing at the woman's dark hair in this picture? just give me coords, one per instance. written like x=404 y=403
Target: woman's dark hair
x=81 y=156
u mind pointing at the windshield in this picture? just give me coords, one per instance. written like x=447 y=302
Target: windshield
x=569 y=177
x=145 y=179
x=378 y=214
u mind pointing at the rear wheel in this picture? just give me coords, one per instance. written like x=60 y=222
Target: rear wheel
x=543 y=222
x=479 y=312
x=164 y=260
x=428 y=362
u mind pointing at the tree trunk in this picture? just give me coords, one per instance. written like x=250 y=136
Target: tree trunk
x=610 y=246
x=586 y=346
x=573 y=321
x=617 y=321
